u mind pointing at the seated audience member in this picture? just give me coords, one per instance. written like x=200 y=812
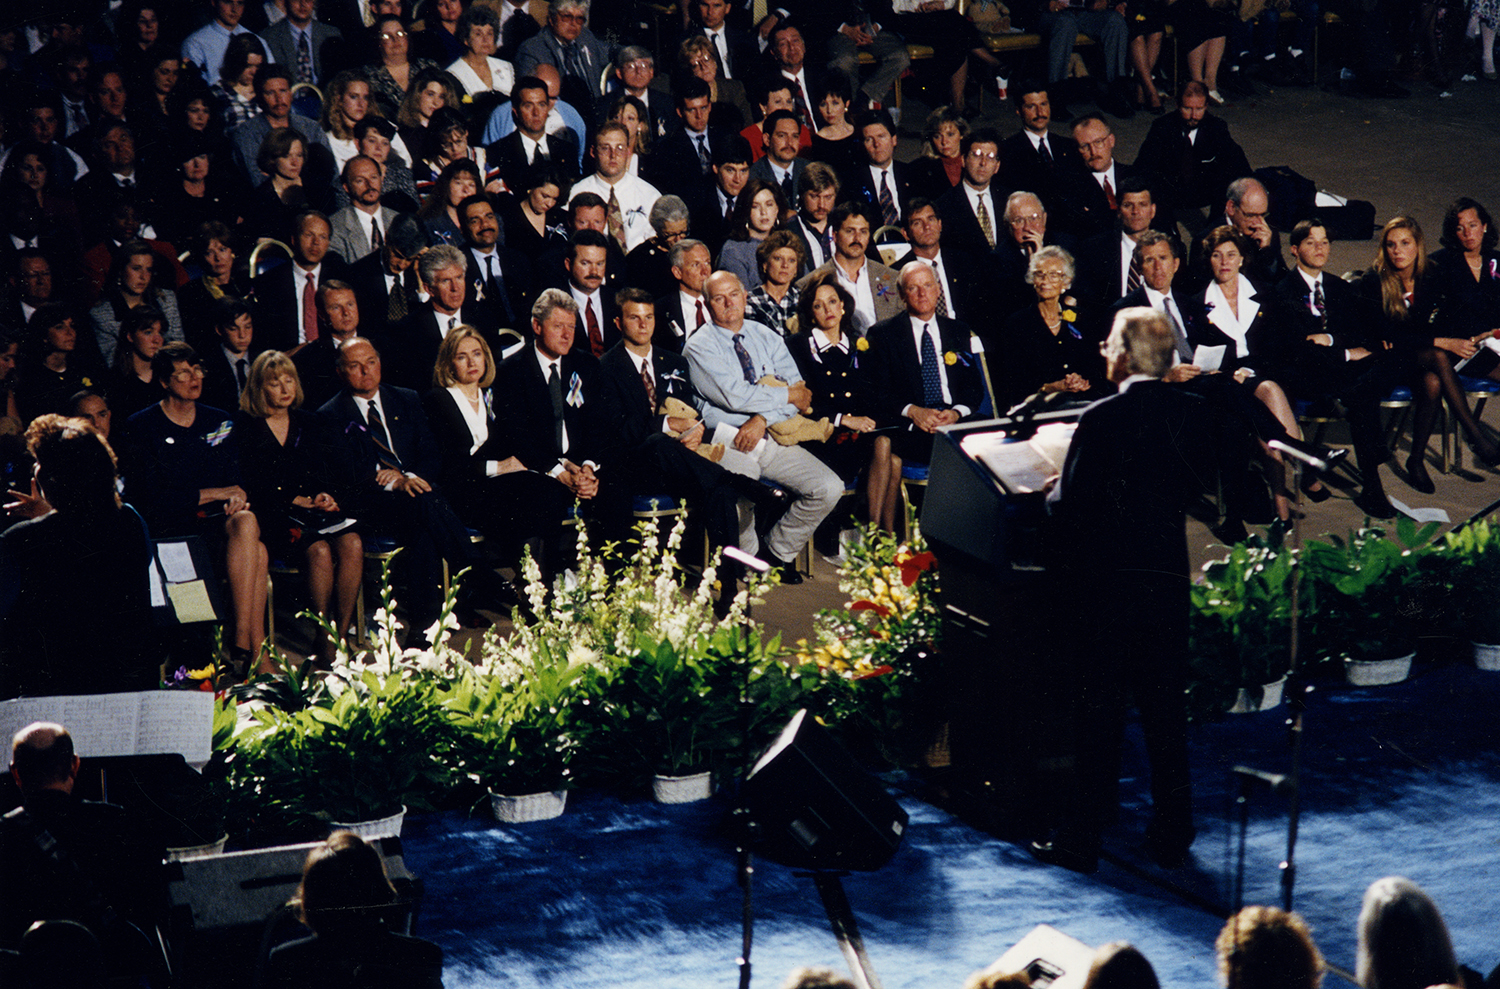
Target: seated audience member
x=1120 y=965
x=955 y=40
x=390 y=72
x=1245 y=209
x=817 y=192
x=777 y=92
x=1052 y=345
x=228 y=353
x=773 y=303
x=182 y=471
x=132 y=284
x=347 y=100
x=317 y=362
x=729 y=358
x=51 y=367
x=1034 y=158
x=234 y=91
x=273 y=88
x=532 y=142
x=683 y=310
x=962 y=293
x=415 y=341
x=31 y=286
x=1060 y=27
x=92 y=409
x=579 y=56
x=1402 y=288
x=385 y=283
x=713 y=210
x=882 y=183
x=439 y=213
x=490 y=488
x=560 y=116
x=683 y=160
x=635 y=68
x=1107 y=268
x=116 y=178
x=871 y=284
x=585 y=212
x=125 y=227
x=286 y=307
x=374 y=138
x=1268 y=948
x=99 y=844
x=273 y=208
x=587 y=265
x=1324 y=348
x=394 y=455
x=130 y=388
x=223 y=278
x=759 y=211
x=1191 y=153
x=531 y=220
x=1089 y=197
x=973 y=208
x=649 y=266
x=735 y=50
x=195 y=192
x=79 y=536
x=305 y=45
x=347 y=902
x=1027 y=229
x=28 y=175
x=842 y=390
x=627 y=199
x=499 y=278
x=1403 y=942
x=298 y=477
x=359 y=228
x=447 y=141
x=940 y=166
x=477 y=70
x=780 y=165
x=728 y=107
x=430 y=92
x=1468 y=268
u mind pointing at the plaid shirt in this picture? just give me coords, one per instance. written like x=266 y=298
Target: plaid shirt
x=234 y=109
x=760 y=307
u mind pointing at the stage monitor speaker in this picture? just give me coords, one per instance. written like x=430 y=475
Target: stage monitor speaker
x=816 y=808
x=1049 y=959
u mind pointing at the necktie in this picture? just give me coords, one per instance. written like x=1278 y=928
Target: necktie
x=376 y=240
x=128 y=182
x=309 y=309
x=77 y=118
x=239 y=374
x=788 y=189
x=1133 y=279
x=1319 y=305
x=573 y=63
x=1109 y=194
x=804 y=116
x=452 y=322
x=1183 y=349
x=554 y=389
x=395 y=309
x=985 y=227
x=728 y=207
x=496 y=287
x=1045 y=152
x=746 y=364
x=721 y=54
x=614 y=220
x=942 y=306
x=648 y=380
x=304 y=58
x=596 y=338
x=1187 y=162
x=704 y=161
x=385 y=452
x=888 y=214
x=932 y=379
x=698 y=307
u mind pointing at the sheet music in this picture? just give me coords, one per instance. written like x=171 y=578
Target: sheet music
x=147 y=722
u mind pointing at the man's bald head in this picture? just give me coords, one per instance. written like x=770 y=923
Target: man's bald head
x=549 y=75
x=42 y=758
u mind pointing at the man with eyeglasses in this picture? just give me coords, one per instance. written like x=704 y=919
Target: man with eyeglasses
x=635 y=68
x=627 y=198
x=1090 y=198
x=1024 y=233
x=971 y=210
x=577 y=53
x=1246 y=209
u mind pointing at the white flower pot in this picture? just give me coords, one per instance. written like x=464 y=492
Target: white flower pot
x=1378 y=672
x=1486 y=657
x=385 y=827
x=209 y=850
x=528 y=807
x=1270 y=696
x=683 y=789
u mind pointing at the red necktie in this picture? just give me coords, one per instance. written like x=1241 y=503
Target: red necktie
x=596 y=338
x=1109 y=195
x=701 y=318
x=309 y=309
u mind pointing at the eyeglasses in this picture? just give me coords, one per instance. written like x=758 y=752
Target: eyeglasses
x=1047 y=276
x=639 y=66
x=389 y=36
x=187 y=374
x=1019 y=221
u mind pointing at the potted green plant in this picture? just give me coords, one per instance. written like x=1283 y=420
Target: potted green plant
x=1472 y=582
x=1240 y=629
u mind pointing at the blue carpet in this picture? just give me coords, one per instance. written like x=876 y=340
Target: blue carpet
x=622 y=894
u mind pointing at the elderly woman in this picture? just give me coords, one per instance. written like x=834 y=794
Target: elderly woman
x=430 y=91
x=731 y=108
x=348 y=101
x=649 y=265
x=774 y=302
x=757 y=210
x=1403 y=942
x=1051 y=346
x=183 y=472
x=299 y=479
x=131 y=284
x=393 y=70
x=130 y=388
x=827 y=355
x=235 y=91
x=478 y=70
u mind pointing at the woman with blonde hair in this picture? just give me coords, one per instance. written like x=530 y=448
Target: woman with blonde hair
x=348 y=101
x=297 y=477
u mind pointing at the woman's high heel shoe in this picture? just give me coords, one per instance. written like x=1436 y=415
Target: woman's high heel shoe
x=1315 y=490
x=1417 y=477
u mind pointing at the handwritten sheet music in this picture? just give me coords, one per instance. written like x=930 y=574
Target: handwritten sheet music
x=147 y=722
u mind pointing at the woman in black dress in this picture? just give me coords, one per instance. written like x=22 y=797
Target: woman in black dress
x=224 y=277
x=130 y=388
x=1468 y=280
x=1051 y=346
x=532 y=221
x=827 y=352
x=51 y=368
x=298 y=482
x=835 y=143
x=194 y=190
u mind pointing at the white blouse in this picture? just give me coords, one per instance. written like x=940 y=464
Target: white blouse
x=1222 y=316
x=478 y=420
x=502 y=75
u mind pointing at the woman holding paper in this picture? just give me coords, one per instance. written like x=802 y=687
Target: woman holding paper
x=297 y=477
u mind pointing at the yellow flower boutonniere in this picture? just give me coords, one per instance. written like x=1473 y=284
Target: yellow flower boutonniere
x=862 y=344
x=88 y=382
x=1069 y=315
x=467 y=98
x=950 y=358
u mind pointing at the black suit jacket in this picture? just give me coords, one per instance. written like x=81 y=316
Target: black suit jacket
x=607 y=327
x=411 y=439
x=276 y=302
x=745 y=62
x=674 y=166
x=1084 y=207
x=1303 y=366
x=412 y=348
x=367 y=275
x=960 y=223
x=1195 y=325
x=509 y=155
x=514 y=311
x=517 y=31
x=1100 y=265
x=1192 y=178
x=1010 y=288
x=895 y=366
x=904 y=186
x=1021 y=167
x=674 y=323
x=625 y=397
x=523 y=411
x=220 y=386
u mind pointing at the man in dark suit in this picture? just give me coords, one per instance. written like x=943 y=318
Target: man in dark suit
x=1192 y=154
x=780 y=165
x=317 y=363
x=817 y=195
x=735 y=50
x=684 y=312
x=1328 y=348
x=530 y=144
x=226 y=367
x=1139 y=462
x=517 y=26
x=385 y=283
x=1245 y=209
x=712 y=210
x=1107 y=269
x=1089 y=200
x=414 y=342
x=286 y=296
x=499 y=278
x=1033 y=158
x=577 y=53
x=881 y=182
x=586 y=212
x=550 y=405
x=307 y=47
x=972 y=210
x=395 y=452
x=911 y=370
x=963 y=279
x=587 y=265
x=682 y=162
x=1159 y=258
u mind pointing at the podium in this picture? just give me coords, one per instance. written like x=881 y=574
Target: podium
x=1008 y=710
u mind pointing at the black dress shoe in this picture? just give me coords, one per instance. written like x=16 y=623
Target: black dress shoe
x=1230 y=532
x=1417 y=477
x=1375 y=504
x=787 y=571
x=1074 y=852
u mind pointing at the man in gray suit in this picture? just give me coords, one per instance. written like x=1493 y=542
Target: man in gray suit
x=576 y=51
x=359 y=228
x=299 y=42
x=875 y=288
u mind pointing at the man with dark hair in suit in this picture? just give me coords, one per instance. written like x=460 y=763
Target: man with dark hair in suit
x=682 y=162
x=42 y=111
x=817 y=194
x=1033 y=157
x=1192 y=154
x=1107 y=266
x=884 y=184
x=226 y=367
x=921 y=366
x=385 y=284
x=444 y=273
x=1090 y=198
x=963 y=292
x=731 y=170
x=587 y=264
x=848 y=29
x=735 y=50
x=286 y=296
x=1140 y=461
x=871 y=284
x=530 y=144
x=317 y=363
x=306 y=46
x=972 y=209
x=780 y=165
x=359 y=229
x=395 y=453
x=113 y=179
x=499 y=278
x=684 y=312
